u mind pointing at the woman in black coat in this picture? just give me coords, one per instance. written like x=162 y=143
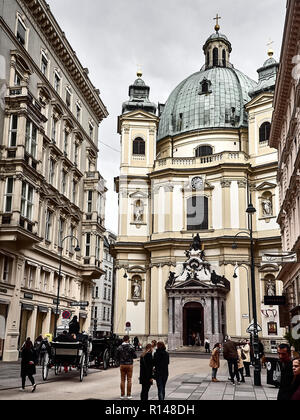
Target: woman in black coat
x=146 y=372
x=28 y=355
x=161 y=365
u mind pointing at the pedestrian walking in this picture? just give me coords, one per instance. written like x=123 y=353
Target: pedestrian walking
x=207 y=345
x=146 y=372
x=161 y=369
x=296 y=381
x=230 y=354
x=240 y=364
x=286 y=370
x=125 y=354
x=215 y=361
x=28 y=356
x=247 y=361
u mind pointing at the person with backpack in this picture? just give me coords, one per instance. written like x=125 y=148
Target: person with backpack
x=125 y=354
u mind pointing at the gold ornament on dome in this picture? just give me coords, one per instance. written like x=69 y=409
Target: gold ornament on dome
x=217 y=26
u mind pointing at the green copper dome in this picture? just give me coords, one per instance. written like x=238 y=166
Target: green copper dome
x=208 y=99
x=215 y=97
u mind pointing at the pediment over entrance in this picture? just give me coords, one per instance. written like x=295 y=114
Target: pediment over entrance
x=193 y=283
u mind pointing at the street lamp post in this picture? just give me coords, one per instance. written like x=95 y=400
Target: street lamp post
x=77 y=249
x=257 y=370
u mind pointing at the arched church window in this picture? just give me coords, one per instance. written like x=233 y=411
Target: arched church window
x=215 y=57
x=224 y=58
x=204 y=151
x=139 y=146
x=197 y=213
x=264 y=132
x=205 y=87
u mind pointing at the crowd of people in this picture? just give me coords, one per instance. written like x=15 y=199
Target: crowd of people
x=239 y=357
x=154 y=364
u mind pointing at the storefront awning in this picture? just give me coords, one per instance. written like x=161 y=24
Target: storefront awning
x=82 y=315
x=43 y=309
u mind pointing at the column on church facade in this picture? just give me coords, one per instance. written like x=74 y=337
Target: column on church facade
x=208 y=318
x=168 y=191
x=226 y=184
x=155 y=209
x=242 y=184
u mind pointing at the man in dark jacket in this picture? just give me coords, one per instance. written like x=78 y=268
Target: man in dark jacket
x=287 y=375
x=125 y=354
x=231 y=355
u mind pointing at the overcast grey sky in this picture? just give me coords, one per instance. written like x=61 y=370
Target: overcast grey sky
x=164 y=37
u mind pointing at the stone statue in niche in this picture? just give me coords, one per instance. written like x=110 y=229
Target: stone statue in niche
x=271 y=288
x=267 y=207
x=137 y=289
x=138 y=212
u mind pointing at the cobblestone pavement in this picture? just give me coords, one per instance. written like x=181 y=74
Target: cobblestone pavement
x=181 y=387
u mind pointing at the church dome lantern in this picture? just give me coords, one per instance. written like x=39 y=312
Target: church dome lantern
x=213 y=98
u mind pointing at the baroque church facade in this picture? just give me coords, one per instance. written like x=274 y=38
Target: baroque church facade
x=188 y=171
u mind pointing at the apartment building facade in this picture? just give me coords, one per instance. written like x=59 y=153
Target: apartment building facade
x=53 y=195
x=285 y=136
x=102 y=310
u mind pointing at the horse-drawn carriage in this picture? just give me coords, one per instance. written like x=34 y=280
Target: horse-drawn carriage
x=67 y=355
x=103 y=352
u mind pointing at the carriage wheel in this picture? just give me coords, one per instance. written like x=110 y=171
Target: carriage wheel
x=82 y=367
x=45 y=366
x=106 y=359
x=57 y=369
x=86 y=366
x=116 y=363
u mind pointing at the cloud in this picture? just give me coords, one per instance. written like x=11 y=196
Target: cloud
x=166 y=37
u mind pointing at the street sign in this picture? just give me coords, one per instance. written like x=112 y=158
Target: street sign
x=66 y=315
x=275 y=300
x=84 y=304
x=285 y=257
x=250 y=329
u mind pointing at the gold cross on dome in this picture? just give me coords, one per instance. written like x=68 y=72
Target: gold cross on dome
x=217 y=27
x=139 y=72
x=270 y=50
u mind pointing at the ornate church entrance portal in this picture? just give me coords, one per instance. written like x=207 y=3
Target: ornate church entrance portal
x=193 y=323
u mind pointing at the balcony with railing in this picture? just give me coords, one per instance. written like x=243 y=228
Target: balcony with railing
x=203 y=161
